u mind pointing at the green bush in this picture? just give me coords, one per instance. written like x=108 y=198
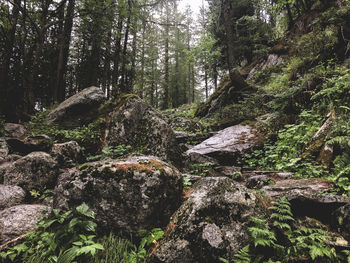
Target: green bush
x=284 y=153
x=89 y=137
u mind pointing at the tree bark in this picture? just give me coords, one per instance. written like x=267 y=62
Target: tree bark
x=59 y=89
x=166 y=62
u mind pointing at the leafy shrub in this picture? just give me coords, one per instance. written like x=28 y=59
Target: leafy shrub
x=284 y=153
x=89 y=137
x=112 y=152
x=202 y=169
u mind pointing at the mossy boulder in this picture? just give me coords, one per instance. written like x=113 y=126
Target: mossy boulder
x=80 y=109
x=37 y=170
x=136 y=123
x=210 y=224
x=126 y=195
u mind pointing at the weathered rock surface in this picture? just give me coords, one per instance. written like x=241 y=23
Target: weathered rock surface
x=209 y=224
x=3 y=168
x=15 y=130
x=295 y=188
x=317 y=141
x=267 y=62
x=37 y=143
x=4 y=150
x=10 y=195
x=137 y=124
x=257 y=178
x=128 y=195
x=68 y=153
x=227 y=144
x=18 y=220
x=78 y=110
x=37 y=170
x=308 y=197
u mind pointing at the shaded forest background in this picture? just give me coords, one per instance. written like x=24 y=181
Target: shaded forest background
x=51 y=49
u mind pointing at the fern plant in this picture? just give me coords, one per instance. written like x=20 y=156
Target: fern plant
x=281 y=216
x=285 y=241
x=63 y=238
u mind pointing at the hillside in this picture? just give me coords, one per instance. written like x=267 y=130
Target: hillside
x=258 y=172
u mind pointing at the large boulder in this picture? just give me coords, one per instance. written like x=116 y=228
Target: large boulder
x=78 y=110
x=37 y=170
x=228 y=144
x=67 y=153
x=15 y=130
x=18 y=220
x=4 y=150
x=128 y=195
x=136 y=123
x=11 y=195
x=210 y=224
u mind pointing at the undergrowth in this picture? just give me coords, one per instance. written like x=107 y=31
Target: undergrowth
x=278 y=239
x=87 y=136
x=71 y=237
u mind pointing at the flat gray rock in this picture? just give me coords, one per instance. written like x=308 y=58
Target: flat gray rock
x=11 y=195
x=227 y=143
x=18 y=220
x=210 y=224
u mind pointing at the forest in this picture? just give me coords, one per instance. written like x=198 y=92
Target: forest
x=52 y=49
x=142 y=131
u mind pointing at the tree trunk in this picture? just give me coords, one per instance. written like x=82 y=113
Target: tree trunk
x=59 y=89
x=166 y=62
x=226 y=10
x=7 y=105
x=117 y=49
x=123 y=84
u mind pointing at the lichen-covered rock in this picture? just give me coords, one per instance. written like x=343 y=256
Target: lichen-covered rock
x=3 y=168
x=128 y=195
x=270 y=60
x=317 y=141
x=295 y=188
x=78 y=110
x=37 y=170
x=308 y=197
x=18 y=220
x=4 y=150
x=137 y=124
x=10 y=195
x=227 y=144
x=67 y=153
x=209 y=224
x=326 y=155
x=15 y=130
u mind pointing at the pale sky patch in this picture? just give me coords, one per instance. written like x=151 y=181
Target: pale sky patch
x=194 y=4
